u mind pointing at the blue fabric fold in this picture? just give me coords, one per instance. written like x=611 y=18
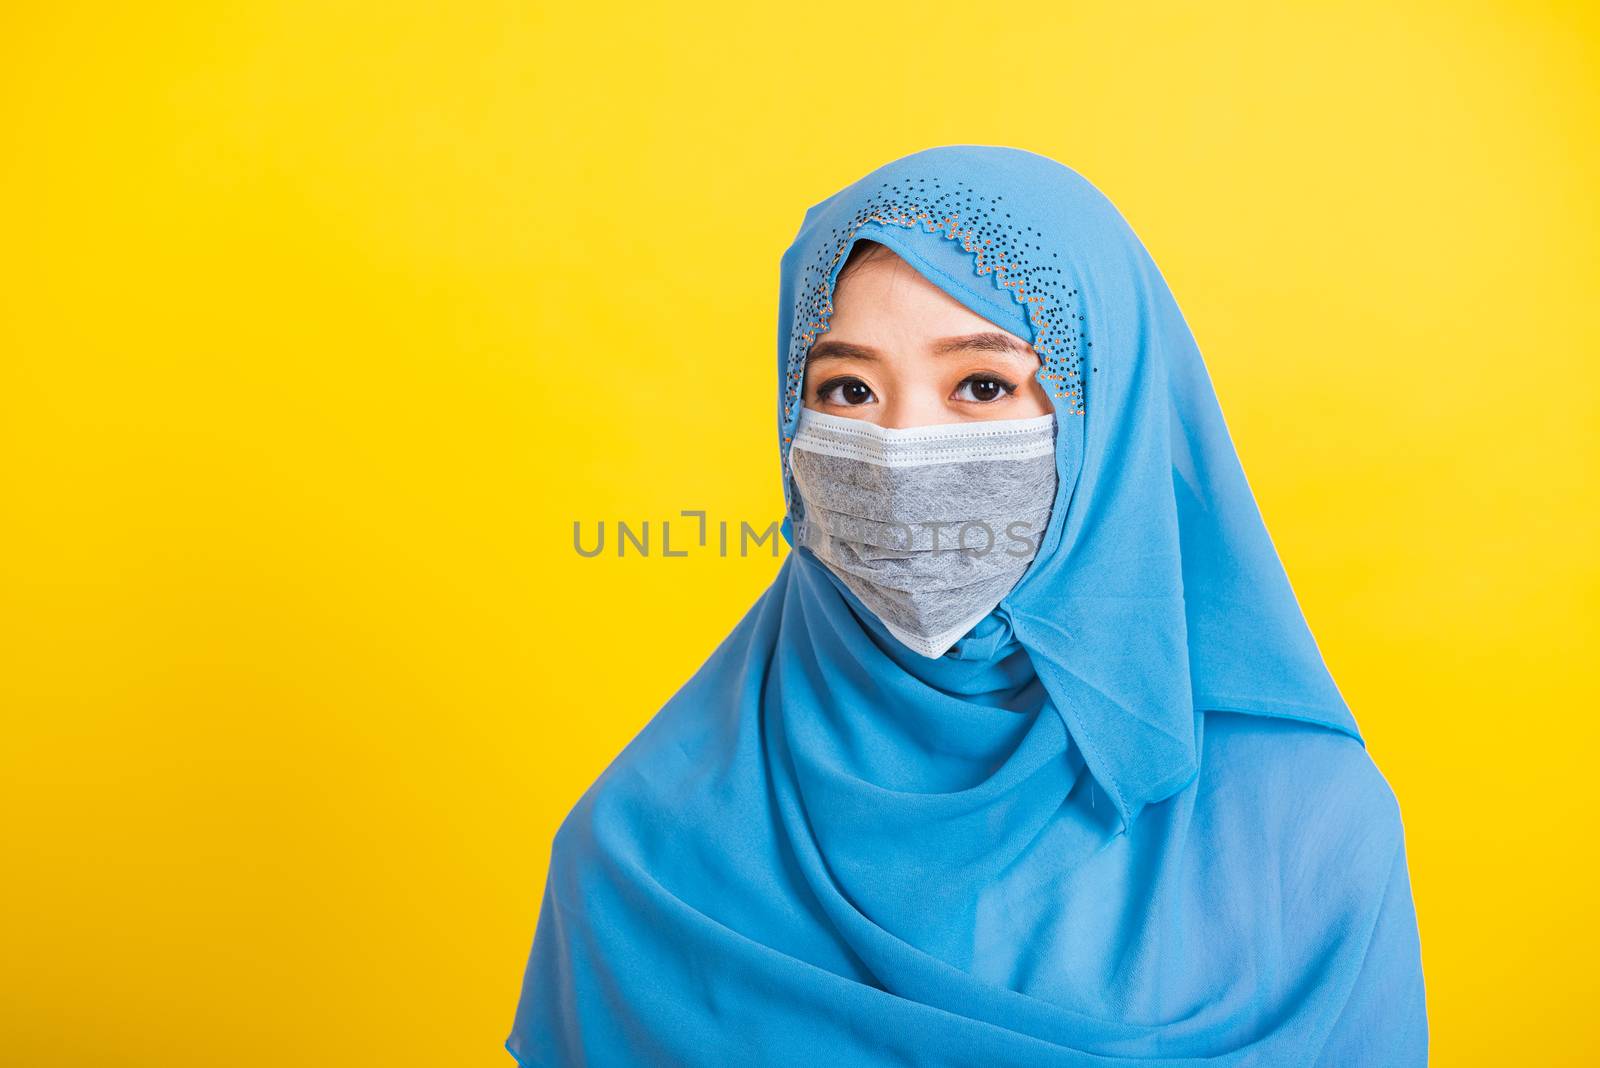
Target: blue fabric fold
x=1128 y=819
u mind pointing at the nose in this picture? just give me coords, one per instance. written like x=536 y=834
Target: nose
x=919 y=408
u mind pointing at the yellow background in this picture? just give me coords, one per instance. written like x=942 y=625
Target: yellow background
x=321 y=323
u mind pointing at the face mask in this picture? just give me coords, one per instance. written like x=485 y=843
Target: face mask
x=929 y=526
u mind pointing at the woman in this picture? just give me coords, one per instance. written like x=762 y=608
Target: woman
x=1027 y=756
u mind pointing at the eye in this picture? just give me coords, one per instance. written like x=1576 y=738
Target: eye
x=844 y=391
x=984 y=388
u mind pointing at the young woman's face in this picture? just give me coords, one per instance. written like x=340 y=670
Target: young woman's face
x=900 y=352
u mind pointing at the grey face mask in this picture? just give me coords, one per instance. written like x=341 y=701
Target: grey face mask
x=929 y=526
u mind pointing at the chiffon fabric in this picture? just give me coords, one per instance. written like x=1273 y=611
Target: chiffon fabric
x=1127 y=820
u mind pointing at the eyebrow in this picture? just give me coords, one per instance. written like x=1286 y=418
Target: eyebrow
x=988 y=341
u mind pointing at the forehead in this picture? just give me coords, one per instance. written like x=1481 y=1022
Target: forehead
x=882 y=293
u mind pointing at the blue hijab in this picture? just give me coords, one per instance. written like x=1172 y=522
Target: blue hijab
x=1127 y=820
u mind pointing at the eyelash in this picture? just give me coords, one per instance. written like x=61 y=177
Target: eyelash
x=1008 y=387
x=832 y=384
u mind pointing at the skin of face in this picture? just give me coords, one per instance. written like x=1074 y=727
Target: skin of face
x=901 y=352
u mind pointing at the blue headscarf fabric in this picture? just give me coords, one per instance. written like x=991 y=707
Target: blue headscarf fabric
x=1127 y=820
